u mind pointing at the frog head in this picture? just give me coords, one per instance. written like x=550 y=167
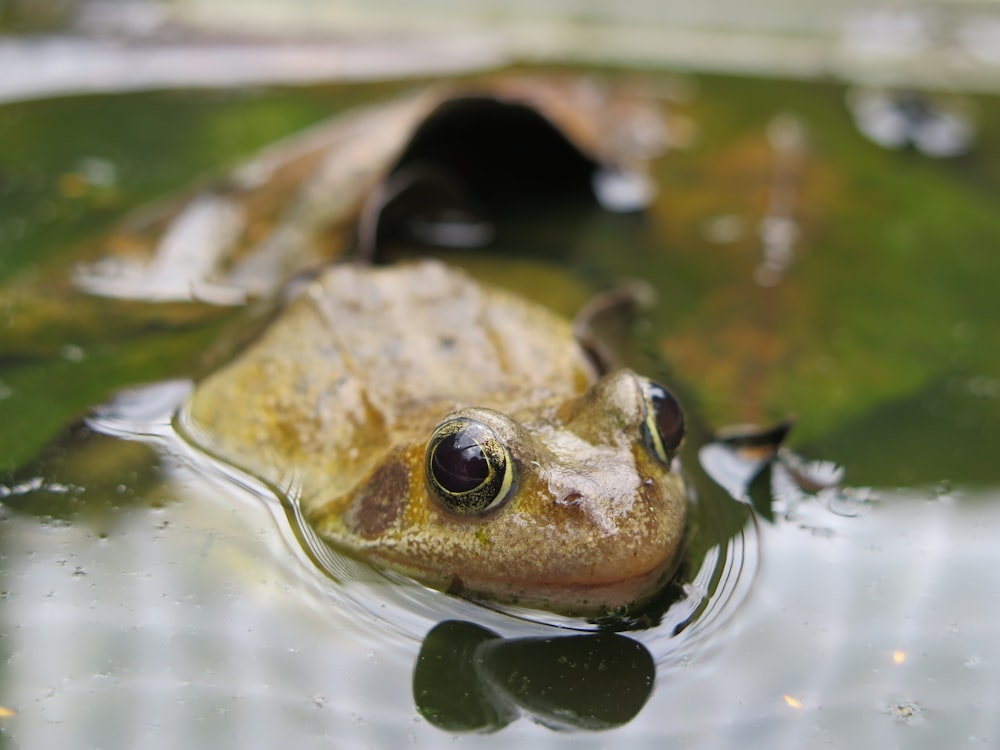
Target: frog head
x=575 y=505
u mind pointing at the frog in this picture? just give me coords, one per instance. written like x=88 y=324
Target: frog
x=459 y=434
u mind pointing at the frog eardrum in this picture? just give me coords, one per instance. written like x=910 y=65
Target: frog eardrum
x=468 y=467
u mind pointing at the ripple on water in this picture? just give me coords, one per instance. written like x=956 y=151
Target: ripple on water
x=390 y=608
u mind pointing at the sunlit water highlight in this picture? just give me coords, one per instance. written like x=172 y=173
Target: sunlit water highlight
x=204 y=619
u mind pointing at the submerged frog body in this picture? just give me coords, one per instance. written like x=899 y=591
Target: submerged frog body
x=459 y=434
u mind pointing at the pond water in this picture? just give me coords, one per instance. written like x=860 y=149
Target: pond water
x=152 y=598
x=192 y=615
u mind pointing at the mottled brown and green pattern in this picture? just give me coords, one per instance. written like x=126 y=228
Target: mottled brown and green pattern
x=340 y=396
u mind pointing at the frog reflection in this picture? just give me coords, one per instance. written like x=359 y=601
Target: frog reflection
x=469 y=679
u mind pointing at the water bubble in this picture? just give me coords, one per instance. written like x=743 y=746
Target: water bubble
x=974 y=662
x=849 y=501
x=944 y=493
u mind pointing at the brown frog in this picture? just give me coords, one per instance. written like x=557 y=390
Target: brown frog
x=459 y=434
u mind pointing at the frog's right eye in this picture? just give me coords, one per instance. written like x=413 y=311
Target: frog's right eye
x=468 y=467
x=663 y=423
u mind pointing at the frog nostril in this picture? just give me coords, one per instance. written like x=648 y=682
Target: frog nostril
x=571 y=498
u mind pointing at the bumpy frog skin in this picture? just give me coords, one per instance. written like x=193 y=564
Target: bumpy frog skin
x=362 y=391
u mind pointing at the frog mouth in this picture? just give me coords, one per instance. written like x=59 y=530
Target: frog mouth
x=572 y=595
x=573 y=598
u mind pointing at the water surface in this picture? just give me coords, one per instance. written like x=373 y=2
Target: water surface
x=150 y=599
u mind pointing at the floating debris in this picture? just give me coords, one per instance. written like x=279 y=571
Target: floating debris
x=792 y=702
x=382 y=171
x=907 y=712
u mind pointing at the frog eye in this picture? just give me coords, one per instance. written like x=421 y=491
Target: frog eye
x=663 y=424
x=468 y=467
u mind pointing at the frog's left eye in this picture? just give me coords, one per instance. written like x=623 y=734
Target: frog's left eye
x=663 y=423
x=468 y=467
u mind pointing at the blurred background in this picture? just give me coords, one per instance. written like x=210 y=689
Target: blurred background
x=946 y=43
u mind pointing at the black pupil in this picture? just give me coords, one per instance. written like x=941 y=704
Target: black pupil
x=668 y=415
x=459 y=464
